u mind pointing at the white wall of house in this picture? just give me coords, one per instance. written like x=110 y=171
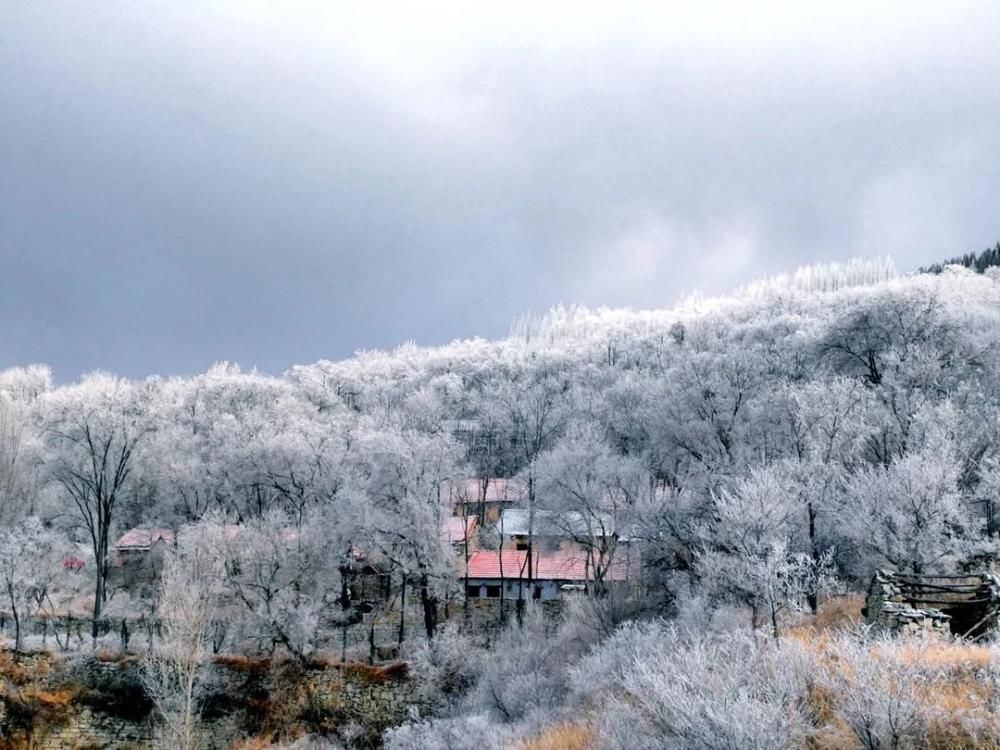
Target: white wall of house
x=487 y=588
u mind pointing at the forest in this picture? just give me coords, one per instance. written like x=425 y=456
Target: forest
x=731 y=473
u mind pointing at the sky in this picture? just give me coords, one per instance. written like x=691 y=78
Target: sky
x=184 y=182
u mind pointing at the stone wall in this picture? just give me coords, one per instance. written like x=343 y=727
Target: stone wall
x=889 y=609
x=85 y=702
x=483 y=619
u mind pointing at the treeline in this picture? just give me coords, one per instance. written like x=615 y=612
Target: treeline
x=846 y=429
x=978 y=262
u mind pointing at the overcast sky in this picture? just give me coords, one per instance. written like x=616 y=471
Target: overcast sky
x=272 y=183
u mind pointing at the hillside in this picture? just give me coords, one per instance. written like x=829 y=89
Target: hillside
x=726 y=473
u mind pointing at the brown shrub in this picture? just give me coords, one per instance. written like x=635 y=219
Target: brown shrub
x=28 y=706
x=260 y=742
x=120 y=658
x=560 y=737
x=246 y=664
x=375 y=675
x=24 y=668
x=836 y=613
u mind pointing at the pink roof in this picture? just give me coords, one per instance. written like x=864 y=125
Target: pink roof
x=144 y=538
x=498 y=490
x=457 y=529
x=549 y=566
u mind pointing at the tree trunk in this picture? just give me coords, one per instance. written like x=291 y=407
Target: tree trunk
x=371 y=642
x=98 y=601
x=17 y=626
x=402 y=611
x=521 y=604
x=812 y=596
x=100 y=540
x=465 y=551
x=430 y=605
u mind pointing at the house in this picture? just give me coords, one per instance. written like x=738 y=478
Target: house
x=458 y=530
x=552 y=530
x=467 y=497
x=139 y=546
x=554 y=574
x=137 y=559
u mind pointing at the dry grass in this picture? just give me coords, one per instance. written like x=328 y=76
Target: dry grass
x=374 y=675
x=246 y=664
x=836 y=613
x=951 y=657
x=260 y=742
x=954 y=695
x=49 y=699
x=120 y=658
x=560 y=737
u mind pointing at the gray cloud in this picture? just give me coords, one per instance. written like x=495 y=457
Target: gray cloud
x=186 y=182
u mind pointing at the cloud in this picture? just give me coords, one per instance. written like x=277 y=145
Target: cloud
x=271 y=184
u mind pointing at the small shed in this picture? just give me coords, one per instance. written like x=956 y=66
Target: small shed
x=966 y=605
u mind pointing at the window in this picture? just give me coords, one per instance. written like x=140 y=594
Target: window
x=492 y=592
x=472 y=592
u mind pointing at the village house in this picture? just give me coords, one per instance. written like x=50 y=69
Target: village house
x=551 y=530
x=554 y=574
x=467 y=497
x=138 y=555
x=458 y=530
x=140 y=546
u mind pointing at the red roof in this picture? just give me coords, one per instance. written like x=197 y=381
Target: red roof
x=548 y=566
x=144 y=538
x=457 y=529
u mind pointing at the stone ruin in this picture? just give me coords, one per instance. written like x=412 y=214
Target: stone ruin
x=965 y=605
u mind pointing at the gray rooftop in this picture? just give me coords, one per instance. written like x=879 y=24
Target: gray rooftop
x=550 y=523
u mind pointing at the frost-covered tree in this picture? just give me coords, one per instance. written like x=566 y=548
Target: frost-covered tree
x=598 y=495
x=877 y=691
x=28 y=564
x=404 y=473
x=824 y=425
x=536 y=406
x=656 y=688
x=750 y=550
x=176 y=672
x=14 y=469
x=910 y=514
x=278 y=579
x=94 y=431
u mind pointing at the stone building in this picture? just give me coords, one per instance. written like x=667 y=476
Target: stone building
x=965 y=605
